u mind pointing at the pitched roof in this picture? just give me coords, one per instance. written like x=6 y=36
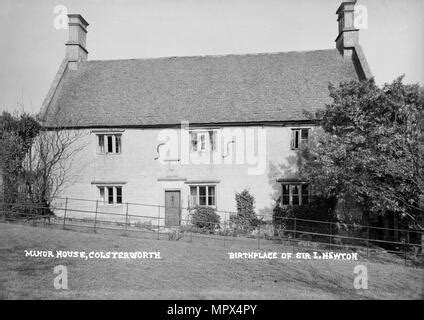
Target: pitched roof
x=201 y=90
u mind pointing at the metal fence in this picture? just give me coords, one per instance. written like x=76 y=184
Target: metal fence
x=149 y=220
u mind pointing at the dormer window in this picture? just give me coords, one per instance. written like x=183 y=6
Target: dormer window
x=299 y=138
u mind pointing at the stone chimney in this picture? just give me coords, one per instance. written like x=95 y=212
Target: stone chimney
x=76 y=46
x=348 y=35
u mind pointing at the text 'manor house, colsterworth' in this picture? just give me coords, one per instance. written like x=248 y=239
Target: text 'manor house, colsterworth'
x=181 y=131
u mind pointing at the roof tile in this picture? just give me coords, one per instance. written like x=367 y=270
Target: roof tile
x=206 y=89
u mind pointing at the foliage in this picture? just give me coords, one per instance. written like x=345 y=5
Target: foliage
x=319 y=209
x=37 y=162
x=175 y=234
x=246 y=219
x=205 y=218
x=24 y=126
x=16 y=136
x=370 y=146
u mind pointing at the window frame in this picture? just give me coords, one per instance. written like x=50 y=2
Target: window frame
x=103 y=143
x=207 y=195
x=300 y=194
x=300 y=141
x=104 y=196
x=209 y=140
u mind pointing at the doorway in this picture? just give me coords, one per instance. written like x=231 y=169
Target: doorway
x=172 y=208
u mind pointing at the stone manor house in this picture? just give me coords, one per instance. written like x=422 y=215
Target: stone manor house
x=183 y=131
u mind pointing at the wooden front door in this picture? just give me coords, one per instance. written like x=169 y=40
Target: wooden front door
x=172 y=208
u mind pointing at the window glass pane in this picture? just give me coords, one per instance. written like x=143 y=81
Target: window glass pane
x=295 y=195
x=110 y=195
x=295 y=139
x=118 y=143
x=305 y=194
x=193 y=145
x=118 y=194
x=211 y=190
x=304 y=137
x=109 y=144
x=202 y=200
x=202 y=141
x=211 y=201
x=286 y=196
x=202 y=190
x=202 y=195
x=211 y=195
x=102 y=194
x=193 y=196
x=101 y=143
x=193 y=191
x=212 y=139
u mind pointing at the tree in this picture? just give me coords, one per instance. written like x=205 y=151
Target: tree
x=370 y=146
x=17 y=134
x=38 y=162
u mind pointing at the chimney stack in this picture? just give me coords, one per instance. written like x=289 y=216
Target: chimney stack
x=76 y=46
x=348 y=35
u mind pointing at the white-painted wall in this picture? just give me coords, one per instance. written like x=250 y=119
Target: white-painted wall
x=146 y=179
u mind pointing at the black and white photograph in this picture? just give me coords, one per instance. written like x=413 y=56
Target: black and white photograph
x=231 y=151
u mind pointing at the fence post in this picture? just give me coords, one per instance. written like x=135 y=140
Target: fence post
x=259 y=237
x=225 y=226
x=368 y=240
x=126 y=219
x=405 y=246
x=331 y=234
x=64 y=215
x=158 y=220
x=280 y=232
x=295 y=232
x=95 y=216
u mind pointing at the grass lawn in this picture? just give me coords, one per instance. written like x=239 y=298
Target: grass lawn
x=186 y=271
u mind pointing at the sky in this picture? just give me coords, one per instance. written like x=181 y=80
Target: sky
x=32 y=45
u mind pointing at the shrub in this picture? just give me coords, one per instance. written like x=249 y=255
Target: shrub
x=144 y=225
x=320 y=209
x=175 y=234
x=227 y=233
x=245 y=221
x=192 y=229
x=205 y=218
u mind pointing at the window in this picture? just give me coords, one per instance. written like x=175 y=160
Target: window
x=102 y=194
x=101 y=143
x=299 y=138
x=109 y=143
x=118 y=143
x=119 y=195
x=203 y=140
x=110 y=194
x=202 y=195
x=193 y=145
x=295 y=194
x=305 y=194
